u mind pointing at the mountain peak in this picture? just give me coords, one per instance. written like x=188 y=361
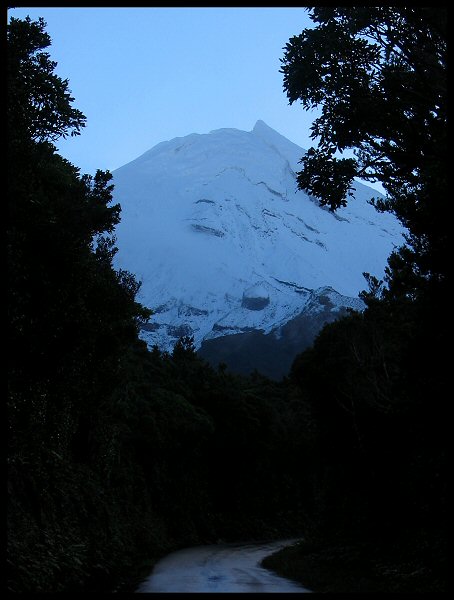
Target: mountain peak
x=276 y=140
x=223 y=241
x=262 y=126
x=261 y=129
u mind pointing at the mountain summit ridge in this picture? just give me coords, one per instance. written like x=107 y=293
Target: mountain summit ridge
x=223 y=241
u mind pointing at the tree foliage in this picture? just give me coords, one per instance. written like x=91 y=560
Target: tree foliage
x=378 y=381
x=39 y=102
x=71 y=319
x=379 y=77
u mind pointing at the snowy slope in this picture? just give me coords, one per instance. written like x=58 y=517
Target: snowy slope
x=214 y=227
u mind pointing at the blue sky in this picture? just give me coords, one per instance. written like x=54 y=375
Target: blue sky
x=145 y=75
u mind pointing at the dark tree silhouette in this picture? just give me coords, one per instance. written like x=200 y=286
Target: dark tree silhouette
x=379 y=76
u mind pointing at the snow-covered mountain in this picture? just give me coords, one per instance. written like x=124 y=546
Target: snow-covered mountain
x=224 y=243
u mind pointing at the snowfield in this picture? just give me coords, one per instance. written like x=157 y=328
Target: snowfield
x=215 y=229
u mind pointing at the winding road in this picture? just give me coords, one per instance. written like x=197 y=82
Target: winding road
x=219 y=568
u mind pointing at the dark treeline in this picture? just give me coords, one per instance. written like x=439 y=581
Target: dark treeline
x=118 y=454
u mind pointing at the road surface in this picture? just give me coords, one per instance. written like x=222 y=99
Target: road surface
x=219 y=568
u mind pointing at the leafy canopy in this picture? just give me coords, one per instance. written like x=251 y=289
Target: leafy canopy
x=69 y=310
x=39 y=102
x=379 y=76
